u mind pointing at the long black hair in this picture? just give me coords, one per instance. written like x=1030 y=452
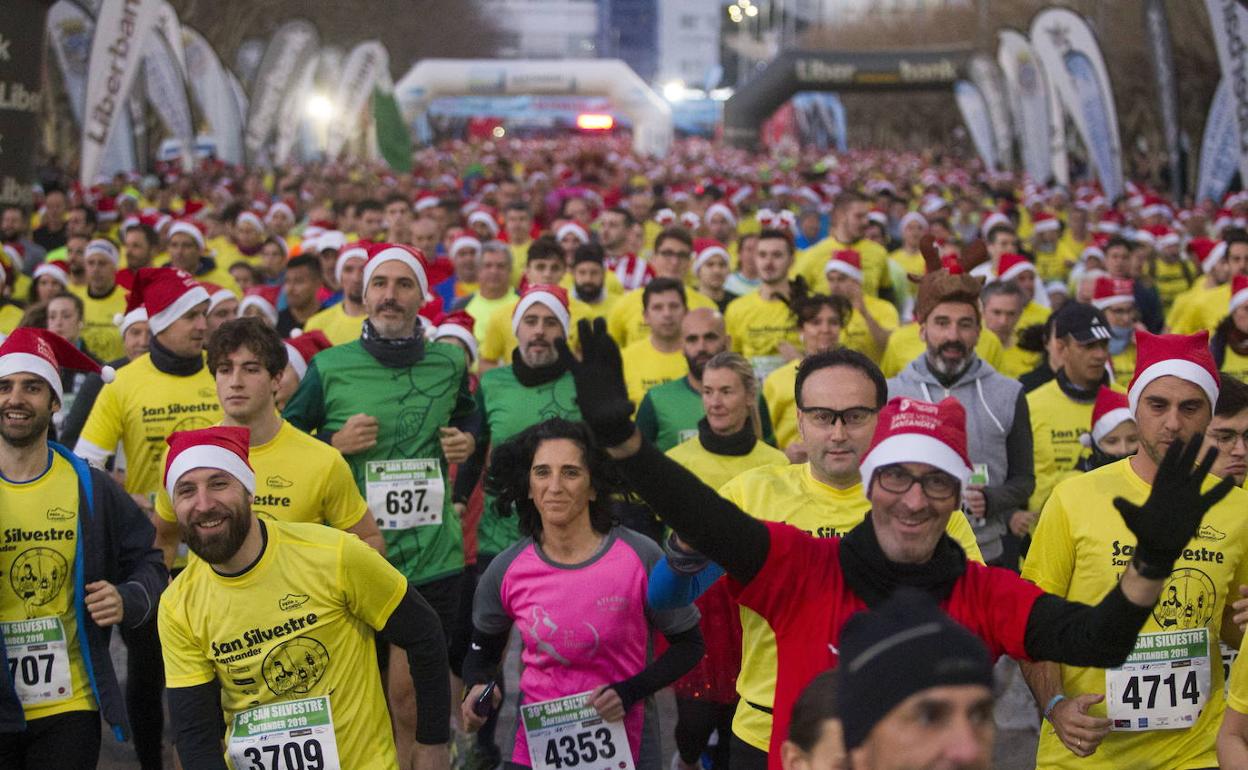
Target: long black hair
x=510 y=462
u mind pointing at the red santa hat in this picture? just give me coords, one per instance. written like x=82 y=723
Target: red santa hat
x=665 y=217
x=912 y=217
x=426 y=201
x=465 y=240
x=249 y=218
x=301 y=347
x=846 y=262
x=167 y=294
x=330 y=240
x=690 y=220
x=458 y=325
x=57 y=268
x=721 y=209
x=555 y=298
x=1185 y=356
x=1045 y=223
x=572 y=228
x=914 y=431
x=278 y=208
x=105 y=247
x=404 y=254
x=124 y=322
x=704 y=249
x=1111 y=409
x=188 y=229
x=1209 y=254
x=353 y=250
x=262 y=298
x=484 y=217
x=221 y=447
x=1239 y=292
x=1012 y=266
x=216 y=294
x=1107 y=292
x=992 y=220
x=43 y=354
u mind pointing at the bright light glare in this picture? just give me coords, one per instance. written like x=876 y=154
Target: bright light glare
x=589 y=121
x=734 y=13
x=674 y=90
x=751 y=11
x=319 y=108
x=499 y=132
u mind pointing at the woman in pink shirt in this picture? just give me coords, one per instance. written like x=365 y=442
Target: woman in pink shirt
x=575 y=588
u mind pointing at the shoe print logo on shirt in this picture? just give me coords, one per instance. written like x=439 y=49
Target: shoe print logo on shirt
x=59 y=514
x=292 y=602
x=278 y=482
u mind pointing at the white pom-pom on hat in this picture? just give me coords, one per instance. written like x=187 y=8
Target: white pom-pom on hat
x=108 y=373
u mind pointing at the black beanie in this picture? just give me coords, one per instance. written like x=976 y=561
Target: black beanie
x=904 y=646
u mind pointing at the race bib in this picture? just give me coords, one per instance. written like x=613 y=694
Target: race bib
x=765 y=365
x=568 y=733
x=38 y=660
x=685 y=435
x=1163 y=685
x=403 y=494
x=291 y=735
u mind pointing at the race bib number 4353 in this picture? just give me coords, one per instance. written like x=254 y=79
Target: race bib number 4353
x=1164 y=683
x=568 y=733
x=403 y=494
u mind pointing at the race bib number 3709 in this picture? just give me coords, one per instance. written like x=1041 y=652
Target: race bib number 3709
x=1164 y=683
x=403 y=494
x=568 y=733
x=290 y=735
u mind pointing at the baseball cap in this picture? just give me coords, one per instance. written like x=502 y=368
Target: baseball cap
x=1083 y=322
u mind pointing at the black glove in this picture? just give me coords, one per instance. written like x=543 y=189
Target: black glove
x=599 y=377
x=1171 y=515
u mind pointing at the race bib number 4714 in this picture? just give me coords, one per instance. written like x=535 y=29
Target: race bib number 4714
x=568 y=733
x=1164 y=683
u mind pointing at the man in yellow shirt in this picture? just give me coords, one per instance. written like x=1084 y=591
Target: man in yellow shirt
x=1002 y=301
x=74 y=568
x=873 y=319
x=186 y=252
x=271 y=630
x=673 y=252
x=1162 y=707
x=162 y=391
x=588 y=281
x=247 y=359
x=761 y=321
x=342 y=322
x=839 y=394
x=1061 y=409
x=102 y=300
x=849 y=222
x=1203 y=305
x=660 y=357
x=1017 y=268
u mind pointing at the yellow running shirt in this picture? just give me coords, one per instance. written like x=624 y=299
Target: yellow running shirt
x=856 y=335
x=715 y=470
x=645 y=367
x=500 y=340
x=757 y=327
x=295 y=629
x=791 y=494
x=37 y=615
x=338 y=327
x=1079 y=549
x=298 y=478
x=778 y=392
x=10 y=317
x=627 y=324
x=140 y=409
x=1057 y=422
x=1234 y=364
x=101 y=336
x=810 y=264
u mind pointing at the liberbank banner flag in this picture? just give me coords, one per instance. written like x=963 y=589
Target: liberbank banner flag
x=1230 y=34
x=1072 y=60
x=978 y=124
x=1158 y=27
x=214 y=94
x=987 y=78
x=364 y=67
x=21 y=51
x=1029 y=95
x=1219 y=147
x=122 y=30
x=280 y=70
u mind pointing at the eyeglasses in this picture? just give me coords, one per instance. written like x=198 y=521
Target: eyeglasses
x=937 y=485
x=1225 y=439
x=853 y=417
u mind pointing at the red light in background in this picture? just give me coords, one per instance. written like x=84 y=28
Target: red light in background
x=588 y=121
